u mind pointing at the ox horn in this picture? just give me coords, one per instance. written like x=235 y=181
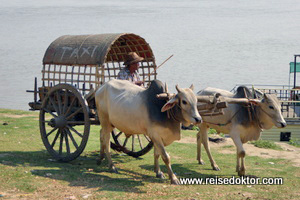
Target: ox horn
x=178 y=89
x=192 y=87
x=166 y=87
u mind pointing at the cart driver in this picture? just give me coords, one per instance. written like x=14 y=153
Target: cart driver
x=129 y=72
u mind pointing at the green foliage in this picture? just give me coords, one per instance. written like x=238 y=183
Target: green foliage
x=266 y=144
x=295 y=142
x=195 y=128
x=212 y=131
x=222 y=135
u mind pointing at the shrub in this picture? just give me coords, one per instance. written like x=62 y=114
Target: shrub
x=295 y=142
x=266 y=144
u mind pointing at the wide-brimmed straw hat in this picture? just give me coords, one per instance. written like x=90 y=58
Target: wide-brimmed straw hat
x=132 y=58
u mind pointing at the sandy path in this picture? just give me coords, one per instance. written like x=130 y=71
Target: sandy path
x=289 y=152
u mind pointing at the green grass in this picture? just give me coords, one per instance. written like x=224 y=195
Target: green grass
x=228 y=146
x=266 y=144
x=28 y=172
x=295 y=142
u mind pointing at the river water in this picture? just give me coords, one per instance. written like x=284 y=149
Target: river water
x=217 y=43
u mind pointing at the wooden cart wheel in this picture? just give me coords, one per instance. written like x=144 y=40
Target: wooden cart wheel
x=64 y=122
x=134 y=145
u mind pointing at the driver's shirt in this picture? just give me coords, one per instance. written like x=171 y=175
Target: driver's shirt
x=125 y=74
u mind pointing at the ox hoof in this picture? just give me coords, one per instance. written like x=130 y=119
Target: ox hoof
x=99 y=160
x=216 y=168
x=160 y=175
x=241 y=173
x=201 y=162
x=114 y=170
x=175 y=182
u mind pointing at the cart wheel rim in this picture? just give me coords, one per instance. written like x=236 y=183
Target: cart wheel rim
x=134 y=145
x=63 y=110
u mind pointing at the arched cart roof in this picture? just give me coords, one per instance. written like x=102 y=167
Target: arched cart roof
x=96 y=49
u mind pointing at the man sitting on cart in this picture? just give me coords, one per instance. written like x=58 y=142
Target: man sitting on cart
x=129 y=72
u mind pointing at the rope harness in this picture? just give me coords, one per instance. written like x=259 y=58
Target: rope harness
x=251 y=110
x=171 y=114
x=228 y=122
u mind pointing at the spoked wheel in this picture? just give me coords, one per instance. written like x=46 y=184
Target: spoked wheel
x=64 y=122
x=134 y=145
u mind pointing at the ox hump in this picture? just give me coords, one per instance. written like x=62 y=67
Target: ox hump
x=212 y=91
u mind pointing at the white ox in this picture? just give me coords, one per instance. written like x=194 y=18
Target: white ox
x=239 y=124
x=135 y=110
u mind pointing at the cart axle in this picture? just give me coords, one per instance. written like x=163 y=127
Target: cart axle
x=58 y=122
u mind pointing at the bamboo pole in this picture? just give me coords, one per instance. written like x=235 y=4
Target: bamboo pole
x=153 y=72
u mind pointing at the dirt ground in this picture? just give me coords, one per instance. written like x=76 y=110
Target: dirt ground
x=289 y=152
x=18 y=116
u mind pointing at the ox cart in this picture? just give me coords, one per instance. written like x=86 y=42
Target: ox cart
x=74 y=66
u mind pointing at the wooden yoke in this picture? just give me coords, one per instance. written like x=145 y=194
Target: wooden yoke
x=207 y=105
x=166 y=96
x=211 y=105
x=214 y=105
x=238 y=100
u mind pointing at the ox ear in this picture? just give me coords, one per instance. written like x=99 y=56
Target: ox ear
x=170 y=104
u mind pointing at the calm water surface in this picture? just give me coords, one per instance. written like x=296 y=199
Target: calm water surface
x=215 y=43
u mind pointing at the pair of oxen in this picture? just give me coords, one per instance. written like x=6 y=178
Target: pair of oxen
x=136 y=110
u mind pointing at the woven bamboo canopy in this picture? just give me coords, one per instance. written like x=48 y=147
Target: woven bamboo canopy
x=96 y=49
x=91 y=60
